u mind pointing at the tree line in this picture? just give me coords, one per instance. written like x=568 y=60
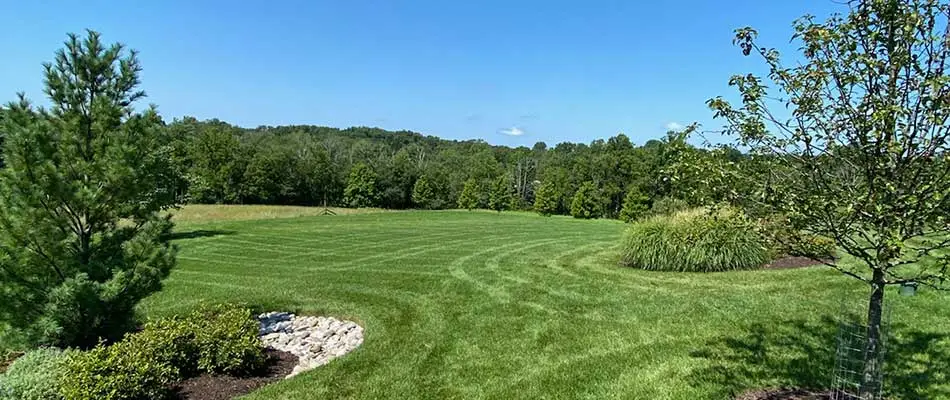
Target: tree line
x=220 y=163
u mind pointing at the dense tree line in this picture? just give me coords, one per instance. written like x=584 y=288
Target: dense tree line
x=370 y=167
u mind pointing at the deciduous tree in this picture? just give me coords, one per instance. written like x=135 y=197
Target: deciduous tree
x=857 y=143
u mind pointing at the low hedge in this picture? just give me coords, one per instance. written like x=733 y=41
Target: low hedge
x=696 y=240
x=35 y=375
x=221 y=339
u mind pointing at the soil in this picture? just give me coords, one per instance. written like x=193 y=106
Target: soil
x=791 y=394
x=7 y=359
x=791 y=262
x=224 y=387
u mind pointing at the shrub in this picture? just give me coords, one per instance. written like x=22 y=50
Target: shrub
x=170 y=342
x=34 y=376
x=123 y=371
x=226 y=338
x=668 y=206
x=695 y=241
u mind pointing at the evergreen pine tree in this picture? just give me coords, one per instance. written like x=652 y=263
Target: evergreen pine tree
x=500 y=196
x=422 y=193
x=545 y=199
x=82 y=239
x=468 y=199
x=586 y=203
x=635 y=205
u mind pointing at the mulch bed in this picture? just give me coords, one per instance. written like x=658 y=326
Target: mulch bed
x=791 y=394
x=791 y=262
x=7 y=359
x=223 y=387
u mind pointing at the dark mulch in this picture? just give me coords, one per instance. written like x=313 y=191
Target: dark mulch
x=223 y=387
x=791 y=394
x=8 y=358
x=791 y=262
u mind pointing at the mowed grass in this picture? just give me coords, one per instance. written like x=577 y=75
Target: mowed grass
x=482 y=305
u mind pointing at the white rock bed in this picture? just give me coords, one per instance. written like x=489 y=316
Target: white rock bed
x=314 y=340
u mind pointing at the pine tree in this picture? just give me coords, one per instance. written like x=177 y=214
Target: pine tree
x=586 y=203
x=360 y=188
x=468 y=199
x=545 y=199
x=82 y=240
x=422 y=193
x=500 y=196
x=635 y=205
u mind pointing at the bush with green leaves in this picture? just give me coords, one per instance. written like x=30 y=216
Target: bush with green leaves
x=786 y=239
x=226 y=339
x=668 y=206
x=122 y=371
x=695 y=240
x=172 y=342
x=35 y=375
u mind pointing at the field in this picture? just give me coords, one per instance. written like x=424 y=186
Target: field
x=472 y=305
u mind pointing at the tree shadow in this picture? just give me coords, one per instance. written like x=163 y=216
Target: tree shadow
x=801 y=354
x=199 y=233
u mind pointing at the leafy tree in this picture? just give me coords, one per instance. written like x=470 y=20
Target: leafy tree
x=500 y=196
x=635 y=205
x=360 y=187
x=422 y=193
x=546 y=199
x=82 y=238
x=863 y=154
x=586 y=202
x=214 y=173
x=469 y=197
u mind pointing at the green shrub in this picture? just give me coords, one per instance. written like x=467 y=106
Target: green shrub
x=668 y=206
x=695 y=241
x=226 y=338
x=171 y=342
x=546 y=199
x=34 y=376
x=123 y=371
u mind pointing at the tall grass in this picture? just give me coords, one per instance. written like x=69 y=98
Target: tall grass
x=695 y=240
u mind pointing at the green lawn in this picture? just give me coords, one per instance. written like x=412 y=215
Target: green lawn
x=473 y=305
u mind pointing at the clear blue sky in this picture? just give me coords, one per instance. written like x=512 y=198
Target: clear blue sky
x=556 y=71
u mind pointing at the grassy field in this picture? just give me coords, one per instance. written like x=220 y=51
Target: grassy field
x=479 y=305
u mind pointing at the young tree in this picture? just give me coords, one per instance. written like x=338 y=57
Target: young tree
x=468 y=199
x=635 y=205
x=546 y=199
x=422 y=193
x=586 y=203
x=82 y=238
x=500 y=196
x=861 y=154
x=360 y=187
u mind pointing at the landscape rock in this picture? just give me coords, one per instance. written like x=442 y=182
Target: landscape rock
x=314 y=340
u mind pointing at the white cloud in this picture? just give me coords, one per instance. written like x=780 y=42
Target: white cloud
x=513 y=131
x=674 y=126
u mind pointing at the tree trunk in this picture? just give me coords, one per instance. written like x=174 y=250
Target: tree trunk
x=871 y=378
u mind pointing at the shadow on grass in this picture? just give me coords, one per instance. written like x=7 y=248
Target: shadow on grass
x=800 y=354
x=200 y=233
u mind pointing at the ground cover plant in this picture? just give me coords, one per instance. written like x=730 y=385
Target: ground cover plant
x=538 y=308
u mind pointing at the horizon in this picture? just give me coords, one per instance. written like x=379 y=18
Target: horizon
x=508 y=74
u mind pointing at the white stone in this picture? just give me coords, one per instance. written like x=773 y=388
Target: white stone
x=314 y=340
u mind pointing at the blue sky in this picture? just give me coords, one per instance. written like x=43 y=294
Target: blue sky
x=509 y=72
